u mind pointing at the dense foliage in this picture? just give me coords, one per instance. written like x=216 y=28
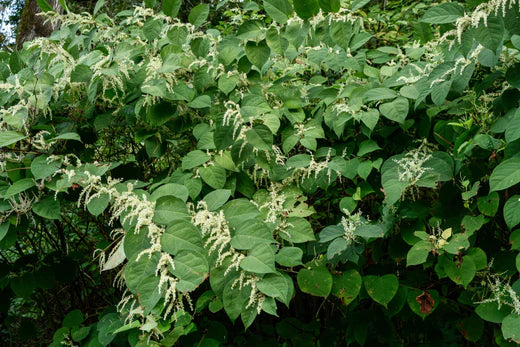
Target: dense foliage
x=316 y=172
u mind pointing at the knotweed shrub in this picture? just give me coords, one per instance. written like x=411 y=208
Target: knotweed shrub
x=290 y=168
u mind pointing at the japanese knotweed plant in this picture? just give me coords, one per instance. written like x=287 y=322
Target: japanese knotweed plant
x=286 y=163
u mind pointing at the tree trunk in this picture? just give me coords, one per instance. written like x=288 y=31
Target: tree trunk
x=32 y=25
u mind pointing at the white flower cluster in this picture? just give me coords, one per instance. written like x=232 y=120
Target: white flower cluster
x=275 y=203
x=411 y=166
x=502 y=293
x=255 y=297
x=314 y=168
x=350 y=222
x=481 y=13
x=215 y=229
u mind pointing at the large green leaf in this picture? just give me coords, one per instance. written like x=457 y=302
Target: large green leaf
x=511 y=327
x=396 y=110
x=444 y=13
x=214 y=176
x=260 y=137
x=306 y=8
x=316 y=281
x=277 y=285
x=347 y=285
x=19 y=187
x=217 y=198
x=381 y=289
x=278 y=10
x=181 y=236
x=289 y=256
x=168 y=209
x=198 y=15
x=42 y=167
x=171 y=7
x=490 y=34
x=259 y=259
x=47 y=208
x=8 y=137
x=505 y=175
x=191 y=268
x=418 y=253
x=461 y=272
x=298 y=230
x=250 y=234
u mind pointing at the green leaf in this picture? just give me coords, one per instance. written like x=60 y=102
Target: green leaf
x=200 y=102
x=181 y=236
x=337 y=247
x=306 y=8
x=73 y=318
x=160 y=113
x=19 y=187
x=44 y=5
x=8 y=137
x=169 y=209
x=289 y=256
x=257 y=53
x=457 y=243
x=377 y=94
x=396 y=110
x=198 y=15
x=330 y=5
x=444 y=13
x=177 y=190
x=238 y=211
x=152 y=29
x=99 y=5
x=278 y=10
x=488 y=205
x=513 y=77
x=461 y=272
x=68 y=136
x=505 y=175
x=41 y=167
x=381 y=288
x=4 y=228
x=298 y=230
x=191 y=268
x=141 y=280
x=367 y=146
x=214 y=176
x=518 y=262
x=234 y=300
x=511 y=327
x=171 y=7
x=227 y=83
x=513 y=128
x=251 y=233
x=277 y=285
x=260 y=137
x=418 y=253
x=259 y=260
x=347 y=286
x=514 y=240
x=490 y=312
x=357 y=4
x=47 y=208
x=194 y=159
x=368 y=231
x=316 y=281
x=298 y=161
x=217 y=198
x=490 y=35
